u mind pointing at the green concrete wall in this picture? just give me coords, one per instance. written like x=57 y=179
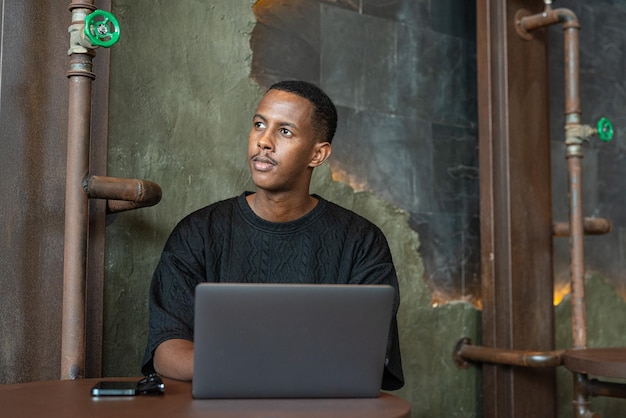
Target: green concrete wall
x=180 y=108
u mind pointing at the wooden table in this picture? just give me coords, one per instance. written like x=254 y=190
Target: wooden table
x=602 y=362
x=72 y=398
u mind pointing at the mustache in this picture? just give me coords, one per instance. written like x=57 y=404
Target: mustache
x=264 y=159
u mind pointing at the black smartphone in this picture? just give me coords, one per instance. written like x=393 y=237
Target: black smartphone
x=149 y=385
x=114 y=389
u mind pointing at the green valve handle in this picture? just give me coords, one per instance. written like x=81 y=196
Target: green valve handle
x=102 y=28
x=605 y=129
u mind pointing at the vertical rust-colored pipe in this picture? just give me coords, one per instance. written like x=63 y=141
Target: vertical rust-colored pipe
x=581 y=401
x=574 y=167
x=573 y=142
x=76 y=206
x=577 y=268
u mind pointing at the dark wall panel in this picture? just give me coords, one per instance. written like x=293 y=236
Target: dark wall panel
x=33 y=133
x=33 y=116
x=403 y=75
x=603 y=94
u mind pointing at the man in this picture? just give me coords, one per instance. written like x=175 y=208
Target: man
x=279 y=233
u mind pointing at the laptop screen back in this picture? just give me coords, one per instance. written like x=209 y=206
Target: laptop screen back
x=290 y=341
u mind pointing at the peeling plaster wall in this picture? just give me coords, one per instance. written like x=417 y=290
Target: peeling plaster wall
x=180 y=107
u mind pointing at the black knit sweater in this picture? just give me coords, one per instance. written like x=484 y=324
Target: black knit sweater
x=227 y=242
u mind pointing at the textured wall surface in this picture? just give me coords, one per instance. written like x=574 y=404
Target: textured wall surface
x=403 y=75
x=603 y=94
x=32 y=189
x=181 y=104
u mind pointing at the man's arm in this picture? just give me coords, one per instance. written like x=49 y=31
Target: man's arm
x=174 y=359
x=374 y=265
x=169 y=349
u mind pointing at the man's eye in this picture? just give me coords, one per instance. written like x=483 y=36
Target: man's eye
x=285 y=131
x=259 y=125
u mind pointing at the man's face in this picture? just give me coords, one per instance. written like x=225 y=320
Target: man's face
x=282 y=143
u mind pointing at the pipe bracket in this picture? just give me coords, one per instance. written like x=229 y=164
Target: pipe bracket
x=458 y=355
x=519 y=24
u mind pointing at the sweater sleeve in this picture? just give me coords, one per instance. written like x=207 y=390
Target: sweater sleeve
x=373 y=264
x=171 y=302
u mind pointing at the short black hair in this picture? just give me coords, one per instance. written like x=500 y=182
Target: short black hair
x=325 y=112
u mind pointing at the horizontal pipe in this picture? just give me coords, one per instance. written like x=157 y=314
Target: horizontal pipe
x=548 y=17
x=591 y=226
x=116 y=206
x=465 y=352
x=122 y=194
x=571 y=27
x=610 y=389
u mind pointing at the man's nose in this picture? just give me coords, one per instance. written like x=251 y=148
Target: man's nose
x=265 y=141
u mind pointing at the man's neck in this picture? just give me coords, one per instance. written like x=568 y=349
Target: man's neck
x=280 y=207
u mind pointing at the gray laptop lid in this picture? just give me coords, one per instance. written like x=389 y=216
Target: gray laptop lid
x=290 y=341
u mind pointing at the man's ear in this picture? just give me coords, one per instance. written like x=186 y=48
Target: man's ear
x=321 y=153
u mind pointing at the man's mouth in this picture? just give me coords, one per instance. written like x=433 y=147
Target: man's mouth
x=262 y=163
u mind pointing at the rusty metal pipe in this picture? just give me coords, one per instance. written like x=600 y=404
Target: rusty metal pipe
x=122 y=194
x=591 y=226
x=574 y=157
x=585 y=388
x=573 y=142
x=581 y=401
x=76 y=209
x=596 y=387
x=466 y=352
x=577 y=268
x=571 y=29
x=117 y=206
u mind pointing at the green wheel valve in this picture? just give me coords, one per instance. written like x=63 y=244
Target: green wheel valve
x=102 y=28
x=605 y=129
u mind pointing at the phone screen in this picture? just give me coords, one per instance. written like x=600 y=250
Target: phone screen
x=114 y=389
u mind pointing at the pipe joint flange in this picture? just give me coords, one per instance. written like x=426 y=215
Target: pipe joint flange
x=458 y=356
x=520 y=28
x=89 y=6
x=574 y=150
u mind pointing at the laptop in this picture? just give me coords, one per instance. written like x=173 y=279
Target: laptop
x=290 y=340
